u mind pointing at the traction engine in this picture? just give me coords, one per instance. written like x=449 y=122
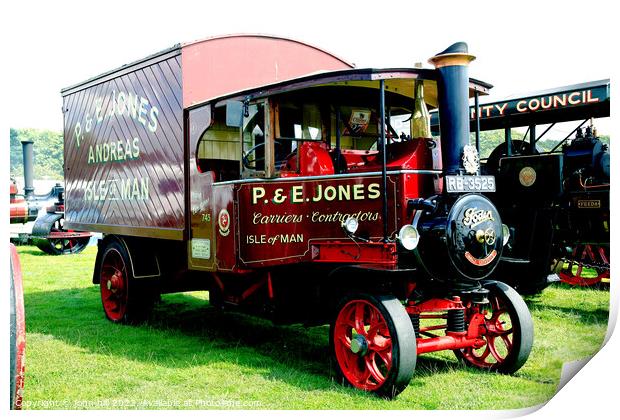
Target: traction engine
x=561 y=218
x=582 y=235
x=47 y=232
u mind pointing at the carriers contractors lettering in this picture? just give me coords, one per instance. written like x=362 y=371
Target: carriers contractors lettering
x=311 y=194
x=295 y=194
x=315 y=217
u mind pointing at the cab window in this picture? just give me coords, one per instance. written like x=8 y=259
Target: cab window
x=218 y=148
x=253 y=144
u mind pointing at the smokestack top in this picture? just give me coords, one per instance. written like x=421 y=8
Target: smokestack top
x=453 y=102
x=456 y=54
x=457 y=47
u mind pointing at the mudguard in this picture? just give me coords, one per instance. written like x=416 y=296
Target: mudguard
x=44 y=224
x=142 y=260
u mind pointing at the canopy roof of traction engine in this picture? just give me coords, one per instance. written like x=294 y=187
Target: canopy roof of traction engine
x=591 y=100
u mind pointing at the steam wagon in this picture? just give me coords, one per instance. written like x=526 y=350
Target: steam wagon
x=271 y=173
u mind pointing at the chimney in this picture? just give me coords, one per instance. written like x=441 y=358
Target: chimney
x=453 y=98
x=28 y=154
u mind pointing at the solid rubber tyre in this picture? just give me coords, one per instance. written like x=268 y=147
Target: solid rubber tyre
x=391 y=355
x=125 y=299
x=504 y=300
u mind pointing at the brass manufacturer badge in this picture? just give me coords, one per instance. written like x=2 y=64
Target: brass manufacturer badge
x=481 y=262
x=527 y=176
x=473 y=217
x=223 y=221
x=471 y=162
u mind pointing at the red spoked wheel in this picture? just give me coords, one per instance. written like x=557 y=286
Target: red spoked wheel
x=508 y=332
x=113 y=283
x=124 y=299
x=373 y=344
x=588 y=266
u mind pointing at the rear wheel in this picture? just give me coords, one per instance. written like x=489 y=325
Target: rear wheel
x=508 y=332
x=373 y=344
x=588 y=266
x=124 y=299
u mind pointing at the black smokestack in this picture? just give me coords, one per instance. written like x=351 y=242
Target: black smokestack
x=28 y=154
x=453 y=98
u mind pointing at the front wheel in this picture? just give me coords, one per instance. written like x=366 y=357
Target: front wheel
x=373 y=344
x=51 y=224
x=508 y=332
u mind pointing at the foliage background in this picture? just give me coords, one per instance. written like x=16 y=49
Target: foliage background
x=48 y=153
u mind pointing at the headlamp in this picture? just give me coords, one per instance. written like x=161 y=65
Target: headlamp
x=505 y=233
x=409 y=237
x=350 y=225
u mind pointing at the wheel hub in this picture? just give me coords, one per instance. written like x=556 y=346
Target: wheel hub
x=359 y=345
x=114 y=282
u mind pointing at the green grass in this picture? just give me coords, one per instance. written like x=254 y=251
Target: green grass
x=192 y=356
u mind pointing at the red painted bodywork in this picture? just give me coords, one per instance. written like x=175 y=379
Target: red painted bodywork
x=294 y=221
x=17 y=205
x=273 y=233
x=19 y=212
x=20 y=329
x=240 y=62
x=338 y=252
x=436 y=308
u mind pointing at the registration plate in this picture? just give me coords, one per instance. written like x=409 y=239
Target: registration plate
x=470 y=183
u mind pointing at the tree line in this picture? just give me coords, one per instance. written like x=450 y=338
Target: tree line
x=48 y=153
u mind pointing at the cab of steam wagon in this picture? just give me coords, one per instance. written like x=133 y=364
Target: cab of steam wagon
x=331 y=187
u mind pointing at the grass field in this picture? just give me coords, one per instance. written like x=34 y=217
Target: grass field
x=193 y=356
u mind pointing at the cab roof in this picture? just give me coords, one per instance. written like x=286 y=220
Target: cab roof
x=398 y=80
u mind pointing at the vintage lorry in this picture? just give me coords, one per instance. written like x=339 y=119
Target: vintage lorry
x=269 y=172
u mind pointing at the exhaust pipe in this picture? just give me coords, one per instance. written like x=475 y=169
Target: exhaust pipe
x=453 y=98
x=28 y=158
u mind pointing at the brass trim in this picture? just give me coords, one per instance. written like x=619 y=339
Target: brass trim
x=453 y=59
